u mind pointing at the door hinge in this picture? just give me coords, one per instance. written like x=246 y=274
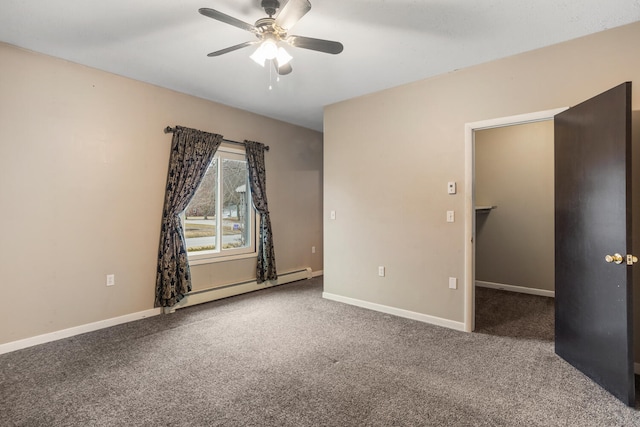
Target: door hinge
x=631 y=259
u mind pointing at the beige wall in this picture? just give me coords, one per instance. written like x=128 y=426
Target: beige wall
x=83 y=164
x=514 y=171
x=388 y=157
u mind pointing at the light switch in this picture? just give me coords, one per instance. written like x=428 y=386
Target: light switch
x=333 y=214
x=451 y=187
x=453 y=283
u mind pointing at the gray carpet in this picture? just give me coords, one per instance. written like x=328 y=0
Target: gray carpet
x=512 y=314
x=286 y=357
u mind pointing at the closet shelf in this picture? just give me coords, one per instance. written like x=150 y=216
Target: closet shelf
x=484 y=209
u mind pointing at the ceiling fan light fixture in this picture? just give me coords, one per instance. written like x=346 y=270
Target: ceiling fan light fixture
x=268 y=49
x=283 y=57
x=258 y=56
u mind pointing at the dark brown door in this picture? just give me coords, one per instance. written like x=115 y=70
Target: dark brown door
x=593 y=325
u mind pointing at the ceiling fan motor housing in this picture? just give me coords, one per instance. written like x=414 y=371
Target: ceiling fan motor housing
x=270 y=6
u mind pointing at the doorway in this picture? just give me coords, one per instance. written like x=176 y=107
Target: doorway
x=471 y=203
x=514 y=234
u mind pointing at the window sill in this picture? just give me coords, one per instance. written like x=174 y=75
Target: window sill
x=220 y=258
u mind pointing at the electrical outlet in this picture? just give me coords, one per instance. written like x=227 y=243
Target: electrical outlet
x=453 y=283
x=381 y=271
x=111 y=279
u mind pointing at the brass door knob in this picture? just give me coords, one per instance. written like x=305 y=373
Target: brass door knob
x=617 y=258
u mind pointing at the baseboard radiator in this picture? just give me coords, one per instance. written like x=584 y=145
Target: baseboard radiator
x=225 y=291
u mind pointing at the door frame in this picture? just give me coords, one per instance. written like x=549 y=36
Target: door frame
x=469 y=216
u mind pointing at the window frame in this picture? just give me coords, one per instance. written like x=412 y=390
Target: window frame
x=220 y=254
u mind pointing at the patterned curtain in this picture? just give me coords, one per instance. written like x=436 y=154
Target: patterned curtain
x=266 y=268
x=191 y=152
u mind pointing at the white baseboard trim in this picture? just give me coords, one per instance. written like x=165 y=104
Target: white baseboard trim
x=512 y=288
x=76 y=330
x=433 y=320
x=90 y=327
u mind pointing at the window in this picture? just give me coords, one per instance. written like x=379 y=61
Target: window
x=219 y=222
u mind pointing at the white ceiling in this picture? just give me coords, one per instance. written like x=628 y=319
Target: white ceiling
x=386 y=43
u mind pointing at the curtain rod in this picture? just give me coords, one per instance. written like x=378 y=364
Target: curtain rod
x=169 y=129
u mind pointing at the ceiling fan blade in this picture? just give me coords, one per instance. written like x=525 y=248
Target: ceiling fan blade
x=326 y=46
x=222 y=17
x=232 y=48
x=291 y=13
x=283 y=70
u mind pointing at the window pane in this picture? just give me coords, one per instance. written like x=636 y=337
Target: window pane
x=200 y=215
x=235 y=218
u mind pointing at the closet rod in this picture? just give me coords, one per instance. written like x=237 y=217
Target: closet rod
x=169 y=129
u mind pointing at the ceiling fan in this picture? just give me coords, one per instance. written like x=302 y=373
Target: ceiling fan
x=271 y=31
